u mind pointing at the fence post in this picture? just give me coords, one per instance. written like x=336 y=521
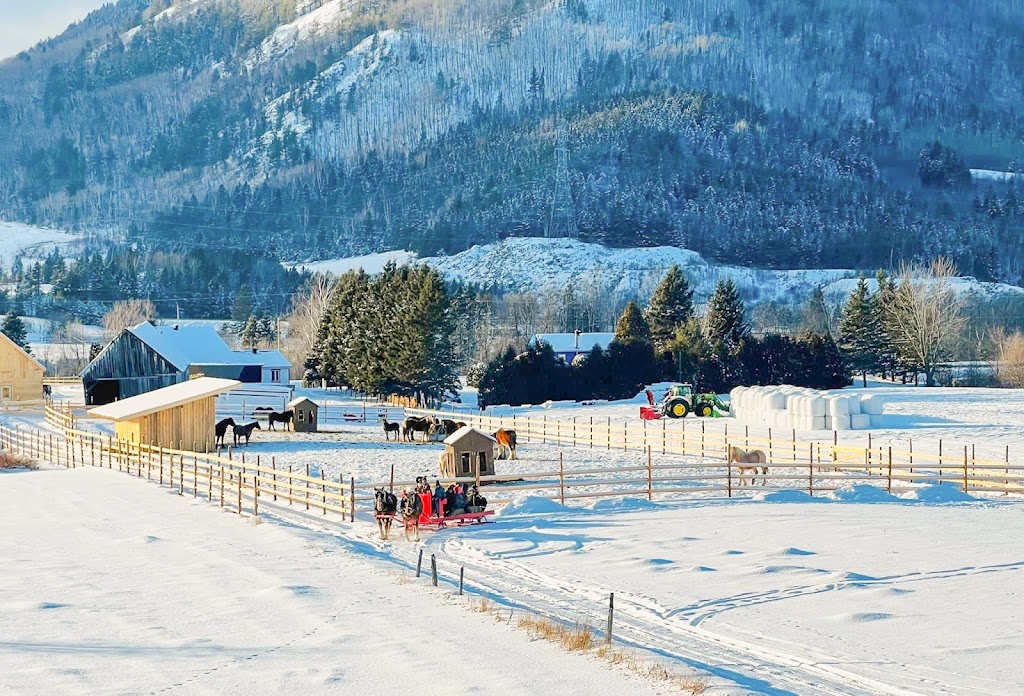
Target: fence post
x=323 y=490
x=611 y=613
x=940 y=460
x=290 y=484
x=574 y=431
x=609 y=433
x=238 y=485
x=256 y=494
x=794 y=445
x=810 y=469
x=561 y=478
x=1007 y=482
x=341 y=492
x=181 y=474
x=591 y=431
x=462 y=575
x=273 y=466
x=728 y=472
x=663 y=422
x=221 y=466
x=433 y=570
x=889 y=489
x=352 y=499
x=195 y=476
x=965 y=468
x=307 y=486
x=419 y=562
x=625 y=435
x=650 y=492
x=544 y=430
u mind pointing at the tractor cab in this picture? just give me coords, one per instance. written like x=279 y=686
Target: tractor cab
x=679 y=390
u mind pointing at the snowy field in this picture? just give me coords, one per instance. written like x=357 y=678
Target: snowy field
x=114 y=585
x=31 y=242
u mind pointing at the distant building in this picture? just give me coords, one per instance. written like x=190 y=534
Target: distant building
x=568 y=345
x=146 y=357
x=21 y=375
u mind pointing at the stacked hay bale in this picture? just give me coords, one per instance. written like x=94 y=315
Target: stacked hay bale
x=799 y=408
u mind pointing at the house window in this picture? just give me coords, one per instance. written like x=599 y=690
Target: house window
x=275 y=375
x=6 y=393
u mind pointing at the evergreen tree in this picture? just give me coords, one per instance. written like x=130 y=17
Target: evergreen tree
x=632 y=327
x=249 y=335
x=886 y=359
x=859 y=331
x=725 y=324
x=815 y=313
x=242 y=309
x=671 y=306
x=14 y=328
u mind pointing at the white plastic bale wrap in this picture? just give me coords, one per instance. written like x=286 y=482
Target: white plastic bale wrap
x=860 y=421
x=818 y=422
x=841 y=423
x=818 y=407
x=854 y=402
x=838 y=406
x=877 y=421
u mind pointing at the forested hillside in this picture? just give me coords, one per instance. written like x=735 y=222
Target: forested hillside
x=773 y=133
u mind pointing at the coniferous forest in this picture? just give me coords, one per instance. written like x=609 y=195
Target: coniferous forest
x=760 y=132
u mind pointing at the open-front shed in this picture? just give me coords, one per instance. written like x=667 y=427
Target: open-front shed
x=304 y=415
x=468 y=452
x=180 y=416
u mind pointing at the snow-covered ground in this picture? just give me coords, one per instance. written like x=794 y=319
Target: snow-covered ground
x=114 y=585
x=30 y=242
x=521 y=264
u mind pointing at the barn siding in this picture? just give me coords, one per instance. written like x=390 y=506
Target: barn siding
x=134 y=364
x=187 y=427
x=23 y=376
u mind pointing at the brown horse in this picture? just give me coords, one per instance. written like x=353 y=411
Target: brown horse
x=506 y=441
x=752 y=458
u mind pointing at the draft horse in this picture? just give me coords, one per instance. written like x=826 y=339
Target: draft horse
x=385 y=504
x=415 y=424
x=221 y=429
x=747 y=461
x=506 y=442
x=390 y=428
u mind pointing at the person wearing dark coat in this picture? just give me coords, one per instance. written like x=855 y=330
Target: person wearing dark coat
x=475 y=501
x=439 y=495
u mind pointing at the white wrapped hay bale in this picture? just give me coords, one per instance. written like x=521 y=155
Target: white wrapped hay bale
x=841 y=423
x=777 y=401
x=838 y=406
x=828 y=422
x=854 y=402
x=872 y=404
x=860 y=421
x=877 y=421
x=817 y=422
x=818 y=406
x=791 y=401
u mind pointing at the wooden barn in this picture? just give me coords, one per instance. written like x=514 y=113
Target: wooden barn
x=468 y=452
x=181 y=416
x=304 y=420
x=21 y=375
x=146 y=357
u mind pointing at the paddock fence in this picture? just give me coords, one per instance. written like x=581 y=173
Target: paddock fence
x=815 y=467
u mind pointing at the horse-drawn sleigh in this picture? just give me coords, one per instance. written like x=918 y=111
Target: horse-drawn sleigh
x=386 y=509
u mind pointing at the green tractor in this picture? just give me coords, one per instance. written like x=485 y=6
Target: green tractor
x=680 y=401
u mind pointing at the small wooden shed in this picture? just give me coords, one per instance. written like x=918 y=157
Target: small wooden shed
x=21 y=375
x=468 y=452
x=304 y=420
x=181 y=416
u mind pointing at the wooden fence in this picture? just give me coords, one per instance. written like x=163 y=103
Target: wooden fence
x=234 y=483
x=827 y=465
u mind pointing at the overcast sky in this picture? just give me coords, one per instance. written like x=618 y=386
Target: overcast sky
x=23 y=23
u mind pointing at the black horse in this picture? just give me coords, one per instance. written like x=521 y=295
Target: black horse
x=285 y=418
x=385 y=504
x=245 y=431
x=389 y=428
x=221 y=428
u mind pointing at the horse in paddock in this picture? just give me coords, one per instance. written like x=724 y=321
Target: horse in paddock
x=447 y=427
x=221 y=429
x=747 y=461
x=506 y=441
x=390 y=428
x=415 y=424
x=385 y=504
x=245 y=431
x=276 y=417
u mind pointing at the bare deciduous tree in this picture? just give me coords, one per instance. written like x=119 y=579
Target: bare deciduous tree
x=308 y=309
x=127 y=313
x=925 y=316
x=1009 y=363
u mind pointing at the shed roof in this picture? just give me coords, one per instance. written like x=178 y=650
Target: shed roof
x=296 y=402
x=463 y=432
x=566 y=342
x=5 y=337
x=267 y=358
x=163 y=399
x=188 y=345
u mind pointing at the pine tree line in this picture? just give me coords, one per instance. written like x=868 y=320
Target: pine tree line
x=388 y=334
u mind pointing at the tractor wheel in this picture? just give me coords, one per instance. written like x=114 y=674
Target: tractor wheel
x=677 y=408
x=704 y=410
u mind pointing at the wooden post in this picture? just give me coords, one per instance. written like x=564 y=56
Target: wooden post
x=625 y=435
x=544 y=430
x=391 y=485
x=238 y=485
x=794 y=445
x=307 y=486
x=273 y=467
x=611 y=613
x=889 y=489
x=609 y=433
x=663 y=422
x=222 y=485
x=591 y=431
x=195 y=476
x=161 y=464
x=965 y=468
x=181 y=474
x=341 y=488
x=810 y=469
x=940 y=460
x=323 y=490
x=462 y=575
x=573 y=431
x=650 y=492
x=770 y=456
x=433 y=570
x=289 y=484
x=419 y=562
x=728 y=473
x=561 y=478
x=352 y=499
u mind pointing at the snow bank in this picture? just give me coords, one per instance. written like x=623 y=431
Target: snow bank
x=862 y=493
x=799 y=408
x=940 y=493
x=793 y=496
x=532 y=505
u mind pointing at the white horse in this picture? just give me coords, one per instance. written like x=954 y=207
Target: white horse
x=752 y=457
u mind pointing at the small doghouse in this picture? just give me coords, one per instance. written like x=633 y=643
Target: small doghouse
x=468 y=452
x=304 y=420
